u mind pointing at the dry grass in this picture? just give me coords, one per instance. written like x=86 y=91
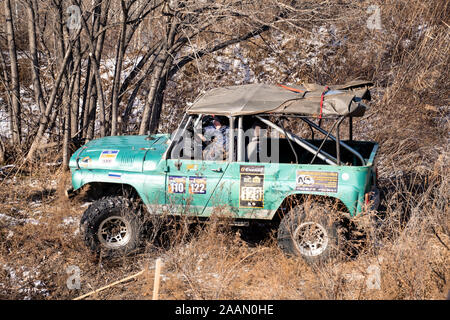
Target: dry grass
x=409 y=247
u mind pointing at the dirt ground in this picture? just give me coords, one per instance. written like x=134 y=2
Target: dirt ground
x=42 y=254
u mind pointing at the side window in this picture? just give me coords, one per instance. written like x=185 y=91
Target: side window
x=259 y=143
x=205 y=138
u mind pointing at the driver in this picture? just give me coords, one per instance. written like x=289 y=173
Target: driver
x=216 y=135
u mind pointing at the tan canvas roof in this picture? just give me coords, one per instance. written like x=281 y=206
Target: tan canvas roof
x=339 y=100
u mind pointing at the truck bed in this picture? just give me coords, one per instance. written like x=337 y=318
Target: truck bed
x=367 y=149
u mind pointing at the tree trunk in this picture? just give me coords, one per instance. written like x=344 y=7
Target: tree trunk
x=118 y=70
x=67 y=114
x=87 y=103
x=92 y=113
x=37 y=88
x=15 y=86
x=96 y=48
x=154 y=85
x=75 y=105
x=44 y=119
x=59 y=32
x=159 y=98
x=2 y=152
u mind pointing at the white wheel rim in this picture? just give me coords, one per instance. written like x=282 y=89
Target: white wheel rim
x=311 y=239
x=114 y=232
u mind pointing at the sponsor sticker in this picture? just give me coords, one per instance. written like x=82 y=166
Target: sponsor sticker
x=251 y=188
x=177 y=184
x=316 y=181
x=192 y=166
x=197 y=185
x=108 y=156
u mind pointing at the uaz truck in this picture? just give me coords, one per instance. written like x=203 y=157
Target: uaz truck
x=278 y=155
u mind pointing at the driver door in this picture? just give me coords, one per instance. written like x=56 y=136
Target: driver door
x=191 y=181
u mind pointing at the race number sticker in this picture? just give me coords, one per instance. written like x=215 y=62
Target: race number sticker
x=108 y=156
x=177 y=184
x=197 y=185
x=251 y=189
x=316 y=181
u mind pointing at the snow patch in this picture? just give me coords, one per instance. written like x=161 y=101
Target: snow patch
x=15 y=221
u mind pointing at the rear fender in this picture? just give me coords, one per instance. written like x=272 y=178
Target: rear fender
x=346 y=205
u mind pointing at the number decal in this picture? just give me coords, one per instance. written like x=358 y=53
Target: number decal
x=177 y=187
x=177 y=184
x=197 y=185
x=251 y=187
x=251 y=194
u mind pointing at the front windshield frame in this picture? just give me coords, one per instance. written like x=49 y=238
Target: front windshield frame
x=177 y=134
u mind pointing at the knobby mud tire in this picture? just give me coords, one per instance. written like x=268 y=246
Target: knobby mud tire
x=117 y=213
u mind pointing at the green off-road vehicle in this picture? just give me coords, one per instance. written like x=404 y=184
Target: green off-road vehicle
x=238 y=151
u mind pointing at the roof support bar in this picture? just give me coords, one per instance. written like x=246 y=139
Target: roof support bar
x=240 y=141
x=343 y=144
x=323 y=142
x=231 y=156
x=350 y=128
x=338 y=141
x=304 y=144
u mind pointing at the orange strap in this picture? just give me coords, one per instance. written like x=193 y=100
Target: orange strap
x=321 y=101
x=289 y=88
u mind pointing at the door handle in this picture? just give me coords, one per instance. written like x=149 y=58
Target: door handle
x=217 y=170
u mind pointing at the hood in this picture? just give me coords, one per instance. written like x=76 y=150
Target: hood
x=125 y=153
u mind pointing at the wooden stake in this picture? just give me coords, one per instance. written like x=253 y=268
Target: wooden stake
x=157 y=279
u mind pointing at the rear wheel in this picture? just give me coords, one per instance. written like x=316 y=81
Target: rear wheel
x=112 y=226
x=309 y=231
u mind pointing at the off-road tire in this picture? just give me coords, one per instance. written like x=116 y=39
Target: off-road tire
x=309 y=231
x=112 y=226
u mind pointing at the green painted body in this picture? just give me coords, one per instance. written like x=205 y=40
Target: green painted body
x=139 y=163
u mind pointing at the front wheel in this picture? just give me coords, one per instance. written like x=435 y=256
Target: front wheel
x=111 y=226
x=309 y=231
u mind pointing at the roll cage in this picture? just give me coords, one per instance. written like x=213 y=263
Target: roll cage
x=238 y=152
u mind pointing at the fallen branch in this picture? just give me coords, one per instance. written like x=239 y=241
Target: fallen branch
x=155 y=285
x=110 y=285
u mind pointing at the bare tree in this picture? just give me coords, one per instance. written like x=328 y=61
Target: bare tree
x=31 y=5
x=186 y=21
x=76 y=99
x=46 y=117
x=129 y=24
x=15 y=86
x=2 y=152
